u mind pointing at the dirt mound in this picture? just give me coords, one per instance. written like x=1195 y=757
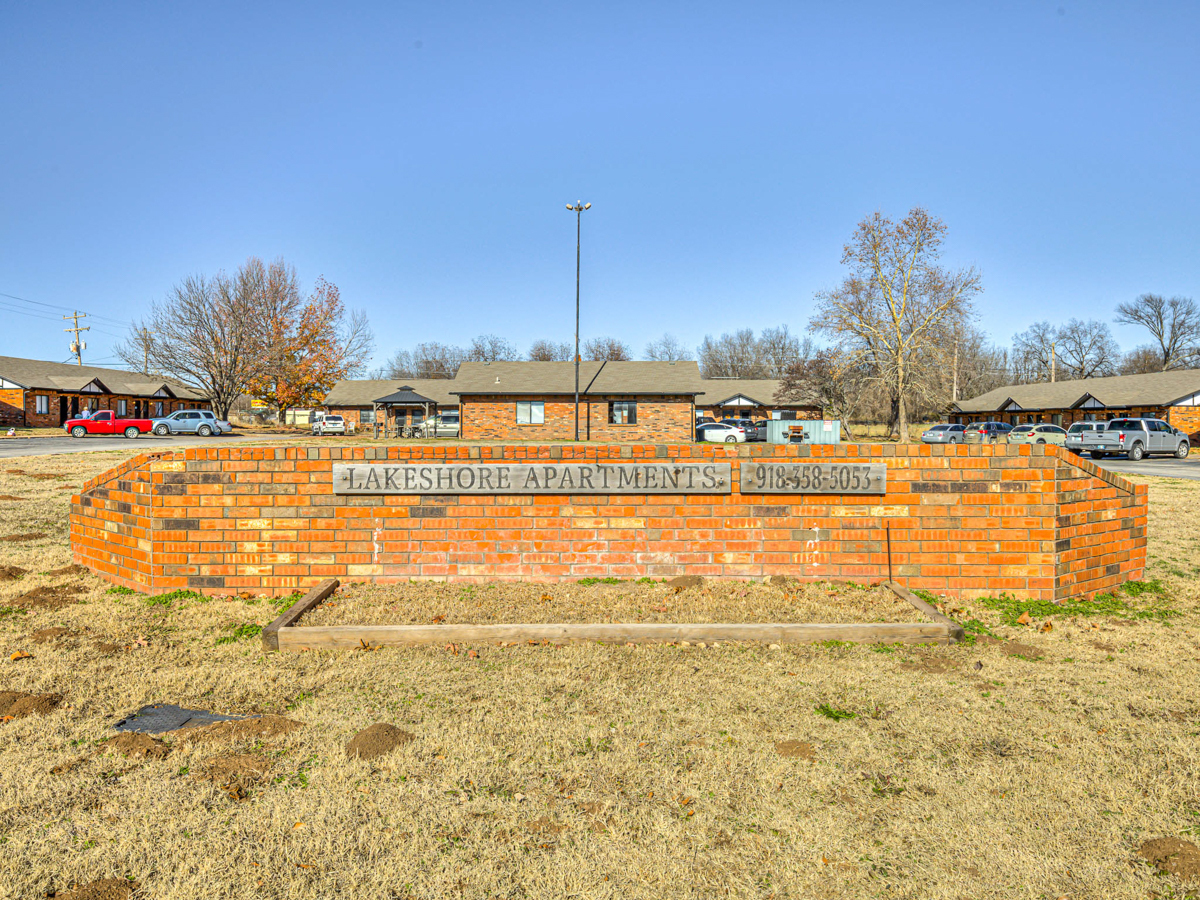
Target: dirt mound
x=930 y=665
x=795 y=749
x=103 y=889
x=234 y=774
x=73 y=569
x=11 y=573
x=17 y=538
x=780 y=580
x=686 y=581
x=16 y=705
x=137 y=745
x=108 y=648
x=40 y=476
x=47 y=635
x=11 y=498
x=50 y=597
x=1173 y=855
x=258 y=728
x=376 y=740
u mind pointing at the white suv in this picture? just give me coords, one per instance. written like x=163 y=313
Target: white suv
x=329 y=425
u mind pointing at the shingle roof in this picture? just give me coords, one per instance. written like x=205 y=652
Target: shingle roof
x=406 y=396
x=365 y=392
x=36 y=373
x=761 y=390
x=657 y=378
x=1115 y=392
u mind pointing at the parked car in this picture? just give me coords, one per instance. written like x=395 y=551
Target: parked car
x=1037 y=434
x=1074 y=441
x=442 y=425
x=985 y=432
x=203 y=422
x=719 y=432
x=326 y=424
x=1136 y=438
x=106 y=422
x=750 y=427
x=943 y=434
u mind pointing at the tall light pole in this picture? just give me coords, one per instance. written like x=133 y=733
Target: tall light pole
x=578 y=209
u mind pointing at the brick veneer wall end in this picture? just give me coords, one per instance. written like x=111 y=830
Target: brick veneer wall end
x=966 y=520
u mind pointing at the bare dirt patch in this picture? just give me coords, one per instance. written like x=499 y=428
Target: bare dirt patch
x=258 y=728
x=18 y=705
x=795 y=749
x=1174 y=856
x=234 y=774
x=11 y=573
x=50 y=597
x=73 y=569
x=49 y=635
x=103 y=889
x=10 y=498
x=38 y=476
x=137 y=746
x=377 y=740
x=20 y=538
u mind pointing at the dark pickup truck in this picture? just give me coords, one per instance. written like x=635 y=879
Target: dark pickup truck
x=1135 y=438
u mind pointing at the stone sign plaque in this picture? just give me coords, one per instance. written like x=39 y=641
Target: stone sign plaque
x=814 y=478
x=533 y=478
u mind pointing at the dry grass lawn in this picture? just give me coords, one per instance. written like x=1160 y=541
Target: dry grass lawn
x=1028 y=763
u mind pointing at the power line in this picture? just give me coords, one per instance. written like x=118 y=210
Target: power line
x=57 y=307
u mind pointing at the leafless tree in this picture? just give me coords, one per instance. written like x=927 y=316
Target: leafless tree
x=490 y=348
x=1033 y=353
x=736 y=355
x=434 y=360
x=890 y=310
x=400 y=366
x=1142 y=360
x=835 y=383
x=1174 y=324
x=1087 y=350
x=137 y=349
x=543 y=350
x=667 y=348
x=780 y=351
x=606 y=348
x=206 y=335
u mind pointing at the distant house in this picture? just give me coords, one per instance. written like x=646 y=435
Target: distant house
x=1171 y=396
x=354 y=400
x=750 y=398
x=38 y=393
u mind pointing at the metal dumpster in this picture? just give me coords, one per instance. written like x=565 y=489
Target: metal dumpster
x=818 y=431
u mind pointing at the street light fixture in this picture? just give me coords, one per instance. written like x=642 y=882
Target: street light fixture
x=578 y=209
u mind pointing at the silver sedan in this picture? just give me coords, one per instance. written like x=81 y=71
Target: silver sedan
x=944 y=434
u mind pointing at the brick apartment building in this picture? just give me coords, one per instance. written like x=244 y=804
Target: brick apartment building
x=36 y=393
x=355 y=400
x=1171 y=396
x=749 y=398
x=618 y=401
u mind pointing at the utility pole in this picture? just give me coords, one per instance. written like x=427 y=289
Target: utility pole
x=1053 y=359
x=954 y=390
x=578 y=209
x=76 y=347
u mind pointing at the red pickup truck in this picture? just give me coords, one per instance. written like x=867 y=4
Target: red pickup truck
x=106 y=422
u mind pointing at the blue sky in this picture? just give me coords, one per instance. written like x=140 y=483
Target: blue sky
x=420 y=157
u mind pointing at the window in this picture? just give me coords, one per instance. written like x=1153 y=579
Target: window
x=42 y=404
x=366 y=417
x=158 y=409
x=622 y=412
x=531 y=412
x=122 y=407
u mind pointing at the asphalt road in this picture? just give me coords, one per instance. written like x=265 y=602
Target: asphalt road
x=1163 y=466
x=49 y=446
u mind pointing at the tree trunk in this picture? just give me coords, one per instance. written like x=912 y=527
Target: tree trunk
x=901 y=407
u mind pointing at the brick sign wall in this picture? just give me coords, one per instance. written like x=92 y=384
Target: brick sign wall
x=968 y=520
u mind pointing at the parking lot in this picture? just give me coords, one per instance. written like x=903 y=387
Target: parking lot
x=1164 y=467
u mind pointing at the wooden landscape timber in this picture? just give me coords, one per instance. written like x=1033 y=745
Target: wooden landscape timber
x=284 y=634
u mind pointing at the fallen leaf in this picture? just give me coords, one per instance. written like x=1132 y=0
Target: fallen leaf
x=21 y=654
x=452 y=648
x=438 y=620
x=298 y=825
x=141 y=641
x=1024 y=619
x=1046 y=627
x=471 y=654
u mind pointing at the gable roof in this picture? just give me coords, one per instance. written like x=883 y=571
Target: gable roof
x=406 y=396
x=626 y=377
x=760 y=390
x=1114 y=392
x=32 y=374
x=364 y=392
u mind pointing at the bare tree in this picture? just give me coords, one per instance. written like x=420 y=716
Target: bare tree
x=400 y=366
x=543 y=350
x=780 y=350
x=829 y=380
x=1087 y=350
x=136 y=349
x=606 y=348
x=1174 y=324
x=1141 y=360
x=889 y=311
x=434 y=360
x=206 y=335
x=737 y=355
x=490 y=348
x=1034 y=352
x=667 y=348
